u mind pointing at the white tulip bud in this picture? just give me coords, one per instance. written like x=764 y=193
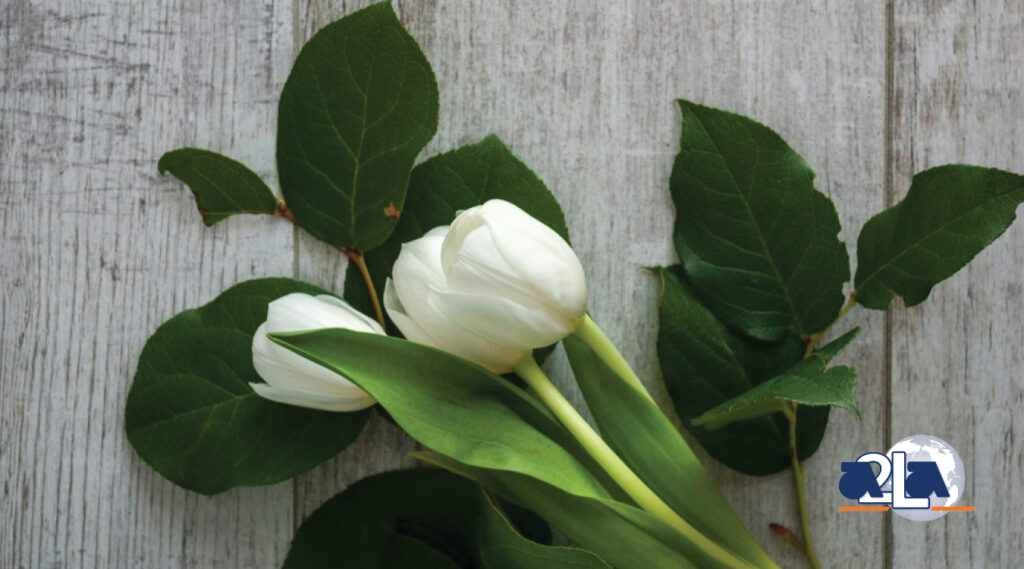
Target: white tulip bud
x=295 y=380
x=416 y=273
x=511 y=279
x=491 y=288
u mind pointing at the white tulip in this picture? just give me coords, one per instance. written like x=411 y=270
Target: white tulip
x=510 y=278
x=416 y=274
x=491 y=288
x=295 y=380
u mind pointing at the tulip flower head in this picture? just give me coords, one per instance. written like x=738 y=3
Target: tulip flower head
x=416 y=274
x=295 y=380
x=492 y=287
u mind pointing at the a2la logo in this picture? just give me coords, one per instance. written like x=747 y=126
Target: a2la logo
x=921 y=478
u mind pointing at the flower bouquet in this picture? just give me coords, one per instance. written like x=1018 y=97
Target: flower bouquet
x=462 y=279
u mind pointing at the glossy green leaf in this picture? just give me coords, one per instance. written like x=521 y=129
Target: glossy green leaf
x=404 y=551
x=704 y=364
x=622 y=535
x=757 y=240
x=949 y=215
x=500 y=546
x=359 y=105
x=640 y=433
x=222 y=186
x=809 y=383
x=453 y=406
x=422 y=516
x=192 y=416
x=444 y=184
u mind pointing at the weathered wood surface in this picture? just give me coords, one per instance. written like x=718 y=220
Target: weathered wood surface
x=98 y=249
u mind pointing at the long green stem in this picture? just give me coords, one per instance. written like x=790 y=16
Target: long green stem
x=801 y=499
x=613 y=465
x=594 y=337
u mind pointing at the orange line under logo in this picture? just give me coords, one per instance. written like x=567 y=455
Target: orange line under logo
x=886 y=508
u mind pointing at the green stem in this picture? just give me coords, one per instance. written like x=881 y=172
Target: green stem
x=801 y=498
x=613 y=465
x=353 y=255
x=812 y=342
x=359 y=259
x=593 y=336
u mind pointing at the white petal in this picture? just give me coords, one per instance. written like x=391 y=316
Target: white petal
x=540 y=256
x=322 y=401
x=297 y=312
x=501 y=320
x=282 y=367
x=416 y=271
x=396 y=311
x=500 y=250
x=365 y=323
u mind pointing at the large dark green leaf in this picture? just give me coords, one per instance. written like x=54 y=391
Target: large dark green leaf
x=500 y=546
x=192 y=416
x=622 y=535
x=357 y=108
x=424 y=516
x=949 y=215
x=453 y=406
x=222 y=186
x=705 y=364
x=444 y=184
x=757 y=241
x=641 y=434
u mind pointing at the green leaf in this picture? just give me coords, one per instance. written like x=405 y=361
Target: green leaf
x=222 y=186
x=758 y=243
x=622 y=535
x=444 y=184
x=385 y=518
x=807 y=383
x=423 y=518
x=949 y=215
x=704 y=364
x=453 y=406
x=500 y=546
x=359 y=105
x=192 y=416
x=833 y=348
x=641 y=435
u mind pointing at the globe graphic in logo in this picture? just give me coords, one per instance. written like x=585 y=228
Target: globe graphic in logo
x=934 y=449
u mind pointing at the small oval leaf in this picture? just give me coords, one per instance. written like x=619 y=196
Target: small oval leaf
x=222 y=186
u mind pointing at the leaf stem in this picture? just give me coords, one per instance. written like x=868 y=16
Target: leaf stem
x=812 y=341
x=595 y=338
x=285 y=212
x=359 y=258
x=354 y=255
x=613 y=465
x=798 y=479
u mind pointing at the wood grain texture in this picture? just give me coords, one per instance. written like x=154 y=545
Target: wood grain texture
x=99 y=250
x=956 y=359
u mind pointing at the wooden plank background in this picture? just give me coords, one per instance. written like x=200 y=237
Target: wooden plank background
x=97 y=249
